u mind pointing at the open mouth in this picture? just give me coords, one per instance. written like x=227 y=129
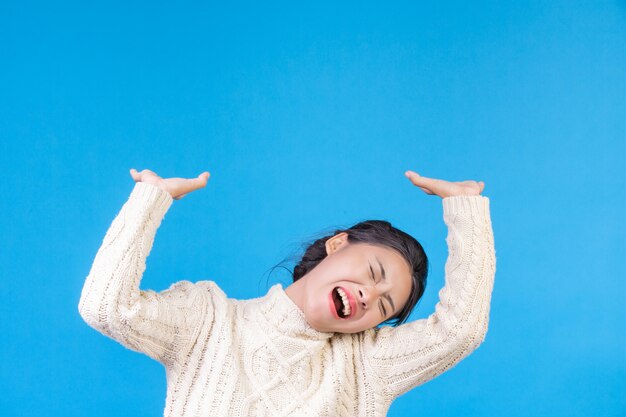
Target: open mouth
x=342 y=303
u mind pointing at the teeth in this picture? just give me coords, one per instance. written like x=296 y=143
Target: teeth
x=346 y=303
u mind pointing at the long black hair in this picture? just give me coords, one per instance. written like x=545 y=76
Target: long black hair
x=380 y=233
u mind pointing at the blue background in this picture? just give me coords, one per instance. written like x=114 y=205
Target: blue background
x=307 y=116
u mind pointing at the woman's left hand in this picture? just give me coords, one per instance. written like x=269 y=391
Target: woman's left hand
x=444 y=188
x=176 y=187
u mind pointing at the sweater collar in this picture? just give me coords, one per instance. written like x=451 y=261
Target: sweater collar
x=286 y=316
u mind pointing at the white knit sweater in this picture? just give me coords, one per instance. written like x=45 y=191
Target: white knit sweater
x=259 y=357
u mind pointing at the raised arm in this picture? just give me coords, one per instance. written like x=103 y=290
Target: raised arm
x=161 y=325
x=409 y=355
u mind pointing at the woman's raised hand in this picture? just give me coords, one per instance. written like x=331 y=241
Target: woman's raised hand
x=444 y=188
x=177 y=187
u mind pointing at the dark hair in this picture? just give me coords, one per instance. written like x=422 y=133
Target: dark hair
x=380 y=233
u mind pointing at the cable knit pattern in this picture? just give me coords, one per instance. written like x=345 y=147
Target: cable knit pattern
x=259 y=357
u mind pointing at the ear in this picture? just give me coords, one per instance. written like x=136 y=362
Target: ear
x=336 y=242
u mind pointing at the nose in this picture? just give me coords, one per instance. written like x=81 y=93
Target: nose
x=367 y=296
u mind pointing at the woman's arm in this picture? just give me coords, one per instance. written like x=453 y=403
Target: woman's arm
x=409 y=355
x=161 y=325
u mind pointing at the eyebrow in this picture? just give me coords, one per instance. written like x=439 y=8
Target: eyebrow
x=387 y=296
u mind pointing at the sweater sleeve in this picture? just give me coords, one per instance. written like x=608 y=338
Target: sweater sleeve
x=162 y=325
x=413 y=353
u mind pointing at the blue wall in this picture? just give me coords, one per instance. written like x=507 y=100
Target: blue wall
x=307 y=117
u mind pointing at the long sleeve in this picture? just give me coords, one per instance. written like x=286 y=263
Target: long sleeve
x=411 y=354
x=161 y=325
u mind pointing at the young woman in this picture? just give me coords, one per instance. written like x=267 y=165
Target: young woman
x=314 y=348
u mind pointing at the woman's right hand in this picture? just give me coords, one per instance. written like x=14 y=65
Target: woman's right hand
x=177 y=187
x=444 y=188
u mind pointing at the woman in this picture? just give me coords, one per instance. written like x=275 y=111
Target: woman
x=314 y=348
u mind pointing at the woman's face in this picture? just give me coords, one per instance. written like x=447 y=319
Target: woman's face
x=355 y=288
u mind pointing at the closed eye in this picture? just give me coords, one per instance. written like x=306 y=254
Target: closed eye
x=381 y=305
x=372 y=273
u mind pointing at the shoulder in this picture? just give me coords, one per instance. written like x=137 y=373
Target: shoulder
x=213 y=295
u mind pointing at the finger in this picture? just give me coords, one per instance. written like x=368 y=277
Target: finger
x=482 y=186
x=410 y=175
x=434 y=186
x=415 y=178
x=422 y=182
x=192 y=184
x=135 y=174
x=202 y=179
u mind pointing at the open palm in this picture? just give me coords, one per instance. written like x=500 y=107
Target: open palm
x=444 y=188
x=177 y=187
